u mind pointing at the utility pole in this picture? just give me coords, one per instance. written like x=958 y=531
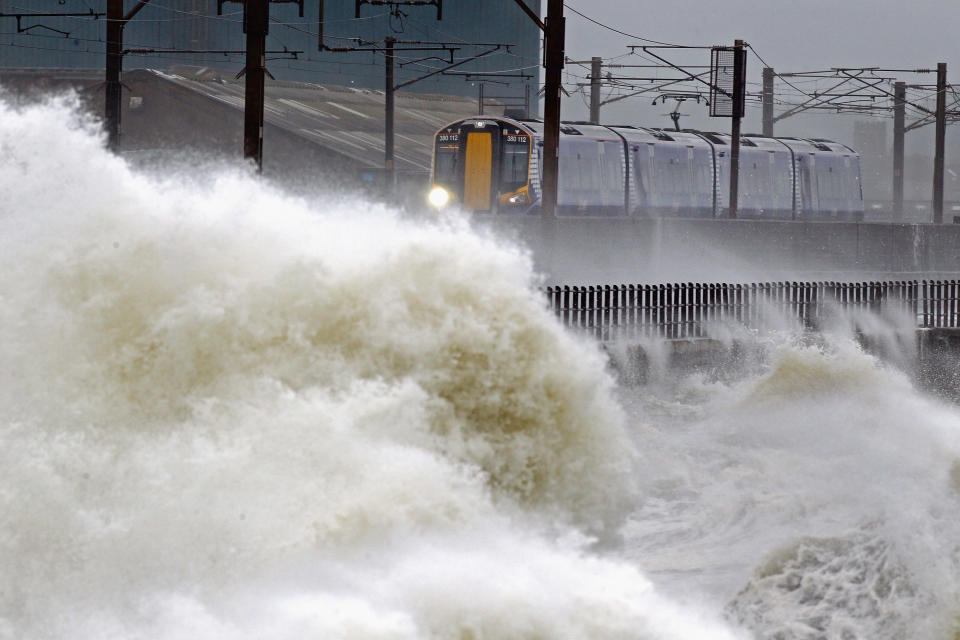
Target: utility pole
x=899 y=112
x=940 y=141
x=480 y=98
x=553 y=45
x=114 y=67
x=767 y=101
x=116 y=20
x=595 y=80
x=256 y=24
x=390 y=57
x=391 y=86
x=739 y=91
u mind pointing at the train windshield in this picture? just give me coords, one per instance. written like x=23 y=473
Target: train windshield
x=447 y=159
x=516 y=162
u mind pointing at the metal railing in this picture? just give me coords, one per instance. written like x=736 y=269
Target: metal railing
x=695 y=310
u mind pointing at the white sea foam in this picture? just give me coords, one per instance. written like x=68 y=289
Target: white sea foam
x=816 y=499
x=228 y=413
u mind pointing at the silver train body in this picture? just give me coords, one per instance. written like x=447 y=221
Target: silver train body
x=638 y=172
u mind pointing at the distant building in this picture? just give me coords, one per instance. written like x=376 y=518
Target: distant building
x=870 y=141
x=870 y=137
x=79 y=42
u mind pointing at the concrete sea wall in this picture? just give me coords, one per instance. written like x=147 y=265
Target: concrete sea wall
x=590 y=251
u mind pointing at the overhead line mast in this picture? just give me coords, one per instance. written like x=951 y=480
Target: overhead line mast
x=554 y=30
x=116 y=21
x=256 y=24
x=388 y=47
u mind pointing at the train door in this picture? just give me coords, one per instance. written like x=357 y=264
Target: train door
x=479 y=169
x=638 y=189
x=809 y=192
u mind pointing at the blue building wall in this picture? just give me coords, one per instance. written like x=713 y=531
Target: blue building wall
x=194 y=24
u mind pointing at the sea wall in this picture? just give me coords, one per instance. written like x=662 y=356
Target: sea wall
x=589 y=251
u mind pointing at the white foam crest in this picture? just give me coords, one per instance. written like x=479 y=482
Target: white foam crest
x=229 y=413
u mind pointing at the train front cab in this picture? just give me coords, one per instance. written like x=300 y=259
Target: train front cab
x=482 y=164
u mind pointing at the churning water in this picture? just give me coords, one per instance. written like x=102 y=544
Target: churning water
x=230 y=413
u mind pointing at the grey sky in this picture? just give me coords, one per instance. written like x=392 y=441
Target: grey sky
x=791 y=36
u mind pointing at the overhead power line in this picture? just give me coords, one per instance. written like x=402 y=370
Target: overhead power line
x=624 y=33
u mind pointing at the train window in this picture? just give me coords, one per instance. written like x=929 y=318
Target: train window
x=515 y=164
x=612 y=171
x=641 y=169
x=569 y=177
x=446 y=160
x=703 y=179
x=589 y=171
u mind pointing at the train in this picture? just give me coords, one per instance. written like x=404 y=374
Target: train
x=493 y=164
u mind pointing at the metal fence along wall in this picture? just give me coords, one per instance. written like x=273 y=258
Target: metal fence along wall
x=690 y=310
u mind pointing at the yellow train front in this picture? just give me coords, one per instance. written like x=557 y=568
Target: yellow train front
x=484 y=164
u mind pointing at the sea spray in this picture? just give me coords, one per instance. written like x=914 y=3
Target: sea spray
x=814 y=499
x=229 y=413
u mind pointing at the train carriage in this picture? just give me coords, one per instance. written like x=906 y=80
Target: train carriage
x=493 y=164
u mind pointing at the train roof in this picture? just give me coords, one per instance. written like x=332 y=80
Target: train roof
x=686 y=137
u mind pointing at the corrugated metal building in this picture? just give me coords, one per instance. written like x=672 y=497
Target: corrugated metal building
x=79 y=41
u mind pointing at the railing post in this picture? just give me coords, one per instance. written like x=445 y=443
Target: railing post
x=647 y=310
x=666 y=317
x=905 y=289
x=953 y=303
x=750 y=293
x=660 y=314
x=711 y=303
x=767 y=296
x=940 y=303
x=934 y=304
x=565 y=304
x=576 y=308
x=738 y=304
x=916 y=299
x=589 y=306
x=696 y=309
x=676 y=309
x=624 y=306
x=780 y=296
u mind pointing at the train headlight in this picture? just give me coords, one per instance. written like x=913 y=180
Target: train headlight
x=520 y=198
x=439 y=197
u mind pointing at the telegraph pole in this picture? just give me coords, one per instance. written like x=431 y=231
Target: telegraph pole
x=389 y=41
x=941 y=139
x=256 y=21
x=112 y=100
x=114 y=67
x=739 y=91
x=595 y=79
x=768 y=101
x=553 y=37
x=899 y=112
x=553 y=55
